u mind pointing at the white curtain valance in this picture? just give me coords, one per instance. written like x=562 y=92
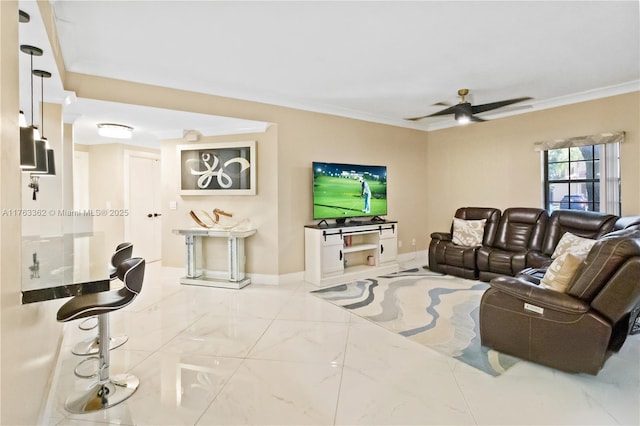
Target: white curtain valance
x=601 y=138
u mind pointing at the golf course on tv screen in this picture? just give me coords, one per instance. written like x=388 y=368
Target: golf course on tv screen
x=341 y=190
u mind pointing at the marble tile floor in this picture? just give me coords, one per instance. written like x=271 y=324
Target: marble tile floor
x=277 y=355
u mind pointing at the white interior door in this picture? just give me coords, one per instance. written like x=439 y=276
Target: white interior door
x=144 y=219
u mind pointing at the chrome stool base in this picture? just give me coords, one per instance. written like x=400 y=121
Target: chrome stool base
x=101 y=396
x=92 y=346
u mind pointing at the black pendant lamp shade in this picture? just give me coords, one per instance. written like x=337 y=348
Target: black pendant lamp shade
x=28 y=145
x=45 y=162
x=51 y=163
x=27 y=148
x=23 y=17
x=45 y=159
x=41 y=157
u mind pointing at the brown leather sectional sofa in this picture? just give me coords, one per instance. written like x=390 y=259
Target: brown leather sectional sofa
x=576 y=330
x=515 y=239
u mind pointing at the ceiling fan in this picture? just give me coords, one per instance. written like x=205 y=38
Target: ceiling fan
x=464 y=111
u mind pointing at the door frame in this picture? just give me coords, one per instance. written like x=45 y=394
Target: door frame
x=128 y=153
x=81 y=194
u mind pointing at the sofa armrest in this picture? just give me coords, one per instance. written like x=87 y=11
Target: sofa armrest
x=536 y=259
x=444 y=236
x=528 y=292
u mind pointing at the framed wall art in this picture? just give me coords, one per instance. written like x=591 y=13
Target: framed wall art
x=227 y=168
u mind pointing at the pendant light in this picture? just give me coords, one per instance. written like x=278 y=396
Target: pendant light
x=46 y=164
x=23 y=17
x=31 y=146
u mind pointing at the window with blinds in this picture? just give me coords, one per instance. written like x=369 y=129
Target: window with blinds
x=582 y=173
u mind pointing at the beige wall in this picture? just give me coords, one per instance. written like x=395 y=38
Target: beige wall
x=429 y=173
x=302 y=137
x=306 y=137
x=261 y=209
x=283 y=205
x=494 y=164
x=30 y=333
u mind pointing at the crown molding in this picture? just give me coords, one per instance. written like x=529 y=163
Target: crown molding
x=443 y=123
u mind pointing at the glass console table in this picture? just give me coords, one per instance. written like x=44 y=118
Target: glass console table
x=63 y=266
x=195 y=273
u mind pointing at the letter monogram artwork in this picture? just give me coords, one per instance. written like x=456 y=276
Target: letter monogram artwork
x=218 y=168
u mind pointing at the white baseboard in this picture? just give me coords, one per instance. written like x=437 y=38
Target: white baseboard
x=269 y=279
x=418 y=257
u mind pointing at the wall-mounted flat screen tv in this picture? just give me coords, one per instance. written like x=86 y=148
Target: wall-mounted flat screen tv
x=343 y=191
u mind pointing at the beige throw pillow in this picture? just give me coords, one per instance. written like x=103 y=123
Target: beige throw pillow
x=570 y=243
x=561 y=271
x=468 y=232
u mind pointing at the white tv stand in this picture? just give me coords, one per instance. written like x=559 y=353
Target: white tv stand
x=338 y=253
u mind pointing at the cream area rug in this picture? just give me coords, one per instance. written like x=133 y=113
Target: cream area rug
x=438 y=311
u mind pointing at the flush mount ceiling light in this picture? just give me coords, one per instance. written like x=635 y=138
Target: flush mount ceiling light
x=118 y=131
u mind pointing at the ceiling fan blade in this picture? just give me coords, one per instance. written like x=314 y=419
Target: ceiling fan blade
x=494 y=105
x=477 y=119
x=446 y=111
x=449 y=110
x=416 y=118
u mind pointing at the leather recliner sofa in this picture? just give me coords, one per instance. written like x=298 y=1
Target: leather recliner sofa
x=574 y=331
x=520 y=231
x=514 y=243
x=451 y=259
x=581 y=223
x=628 y=222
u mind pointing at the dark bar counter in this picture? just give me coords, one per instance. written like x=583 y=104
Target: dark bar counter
x=63 y=266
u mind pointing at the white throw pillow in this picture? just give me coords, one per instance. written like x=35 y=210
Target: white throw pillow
x=468 y=232
x=561 y=271
x=570 y=243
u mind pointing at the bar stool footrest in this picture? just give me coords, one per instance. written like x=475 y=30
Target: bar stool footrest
x=78 y=370
x=88 y=324
x=92 y=346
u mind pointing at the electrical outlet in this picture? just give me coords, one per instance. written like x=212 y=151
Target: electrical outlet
x=413 y=242
x=399 y=243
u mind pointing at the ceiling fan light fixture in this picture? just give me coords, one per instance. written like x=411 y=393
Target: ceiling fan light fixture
x=463 y=119
x=117 y=131
x=463 y=112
